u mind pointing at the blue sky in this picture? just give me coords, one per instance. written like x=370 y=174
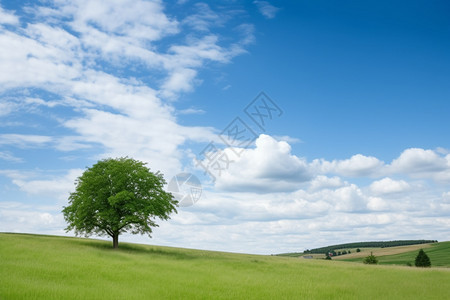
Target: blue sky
x=358 y=151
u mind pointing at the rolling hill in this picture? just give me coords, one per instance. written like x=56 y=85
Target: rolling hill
x=49 y=267
x=439 y=254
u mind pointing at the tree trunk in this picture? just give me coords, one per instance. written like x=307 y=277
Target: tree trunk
x=115 y=240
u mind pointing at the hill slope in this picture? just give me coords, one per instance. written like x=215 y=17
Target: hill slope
x=378 y=244
x=356 y=245
x=439 y=254
x=378 y=252
x=45 y=267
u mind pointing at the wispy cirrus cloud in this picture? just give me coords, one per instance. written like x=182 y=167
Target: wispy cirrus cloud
x=7 y=156
x=24 y=140
x=266 y=9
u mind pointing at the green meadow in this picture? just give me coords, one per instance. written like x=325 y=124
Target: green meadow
x=49 y=267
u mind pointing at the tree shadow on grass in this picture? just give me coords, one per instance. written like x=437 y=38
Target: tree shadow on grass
x=139 y=249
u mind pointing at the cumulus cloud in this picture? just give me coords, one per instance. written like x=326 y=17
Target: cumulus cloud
x=416 y=160
x=268 y=167
x=377 y=204
x=270 y=160
x=422 y=163
x=302 y=218
x=349 y=198
x=413 y=162
x=357 y=166
x=389 y=186
x=324 y=182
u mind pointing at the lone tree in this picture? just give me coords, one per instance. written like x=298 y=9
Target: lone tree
x=371 y=259
x=422 y=259
x=118 y=195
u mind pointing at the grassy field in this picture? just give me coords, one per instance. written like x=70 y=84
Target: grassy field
x=47 y=267
x=439 y=254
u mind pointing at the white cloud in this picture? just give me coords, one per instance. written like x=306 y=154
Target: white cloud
x=377 y=204
x=58 y=187
x=443 y=151
x=6 y=108
x=121 y=31
x=30 y=63
x=191 y=111
x=24 y=140
x=240 y=207
x=181 y=80
x=268 y=167
x=294 y=220
x=41 y=102
x=416 y=160
x=357 y=166
x=126 y=116
x=348 y=198
x=154 y=140
x=422 y=163
x=287 y=139
x=139 y=20
x=446 y=196
x=246 y=31
x=204 y=19
x=266 y=9
x=443 y=177
x=271 y=161
x=71 y=143
x=389 y=186
x=9 y=157
x=8 y=17
x=324 y=182
x=18 y=217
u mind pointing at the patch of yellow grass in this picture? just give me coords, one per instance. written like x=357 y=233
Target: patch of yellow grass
x=382 y=251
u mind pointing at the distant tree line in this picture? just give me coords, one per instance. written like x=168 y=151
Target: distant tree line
x=337 y=253
x=382 y=244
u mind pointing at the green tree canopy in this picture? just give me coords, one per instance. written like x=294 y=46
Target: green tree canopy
x=115 y=196
x=371 y=259
x=422 y=259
